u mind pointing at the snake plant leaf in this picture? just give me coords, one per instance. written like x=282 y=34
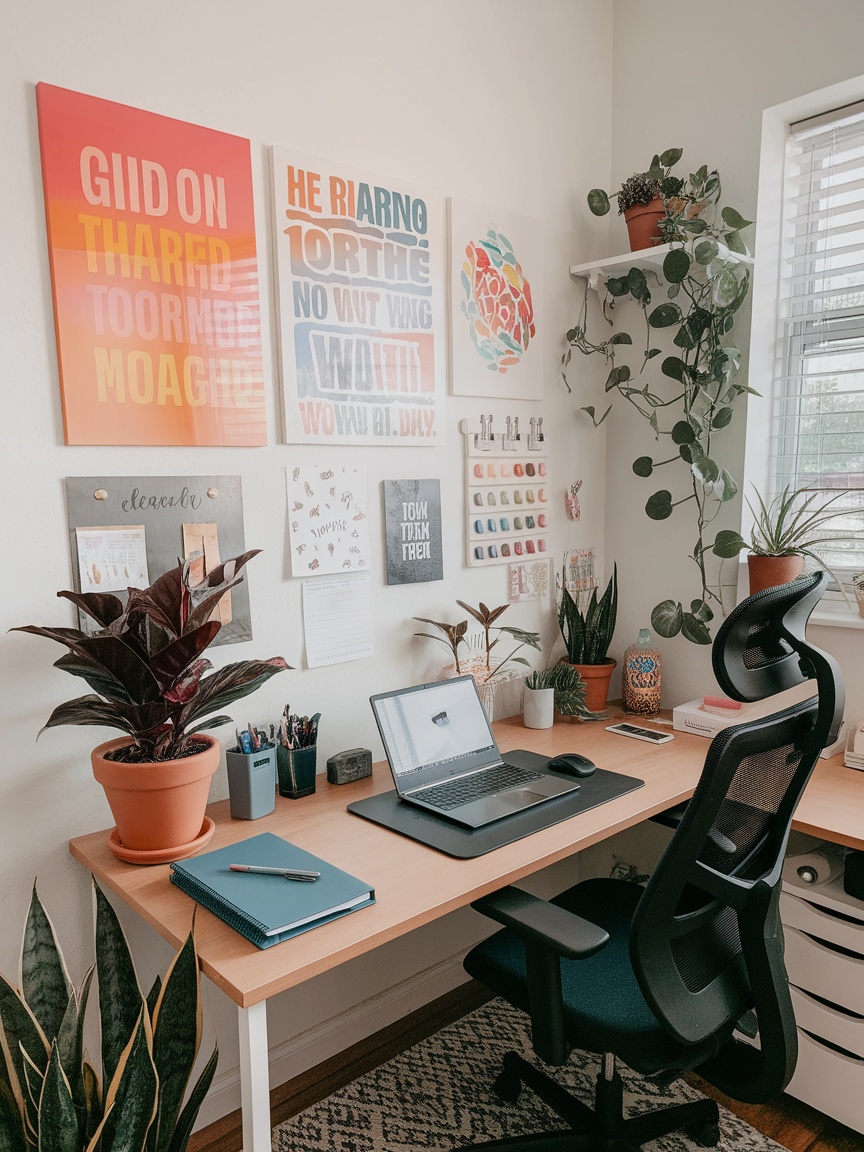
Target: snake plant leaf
x=186 y=1120
x=153 y=996
x=12 y=1138
x=176 y=1039
x=130 y=1102
x=70 y=1041
x=92 y=1100
x=120 y=997
x=45 y=983
x=667 y=619
x=58 y=1120
x=21 y=1031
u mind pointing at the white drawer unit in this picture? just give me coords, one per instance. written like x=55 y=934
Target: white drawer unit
x=824 y=932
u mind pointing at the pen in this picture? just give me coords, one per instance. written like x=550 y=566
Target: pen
x=288 y=873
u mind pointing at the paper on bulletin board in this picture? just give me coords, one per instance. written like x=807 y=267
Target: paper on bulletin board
x=337 y=618
x=327 y=515
x=112 y=558
x=203 y=539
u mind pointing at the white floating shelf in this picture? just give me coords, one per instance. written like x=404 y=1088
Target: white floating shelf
x=614 y=265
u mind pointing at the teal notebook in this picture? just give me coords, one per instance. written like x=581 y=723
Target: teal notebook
x=269 y=909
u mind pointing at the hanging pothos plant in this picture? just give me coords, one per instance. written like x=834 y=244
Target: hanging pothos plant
x=692 y=397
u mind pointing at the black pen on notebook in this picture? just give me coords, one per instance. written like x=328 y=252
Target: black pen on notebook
x=288 y=873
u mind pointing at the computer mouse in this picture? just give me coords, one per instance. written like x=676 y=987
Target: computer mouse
x=573 y=764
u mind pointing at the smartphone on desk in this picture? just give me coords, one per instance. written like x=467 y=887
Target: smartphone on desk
x=637 y=733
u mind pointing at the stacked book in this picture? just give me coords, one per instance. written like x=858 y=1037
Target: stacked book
x=266 y=906
x=853 y=757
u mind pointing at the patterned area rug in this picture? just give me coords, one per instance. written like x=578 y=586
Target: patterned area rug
x=438 y=1095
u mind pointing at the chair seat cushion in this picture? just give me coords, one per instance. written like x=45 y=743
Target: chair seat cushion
x=604 y=1009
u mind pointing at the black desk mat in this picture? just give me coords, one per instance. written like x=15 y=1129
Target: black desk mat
x=387 y=809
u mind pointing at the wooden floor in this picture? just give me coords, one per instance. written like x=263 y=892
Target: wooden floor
x=792 y=1124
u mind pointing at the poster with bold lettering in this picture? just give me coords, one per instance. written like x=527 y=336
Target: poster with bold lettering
x=496 y=274
x=360 y=305
x=151 y=238
x=412 y=529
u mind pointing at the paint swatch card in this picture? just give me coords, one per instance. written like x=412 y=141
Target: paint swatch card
x=329 y=528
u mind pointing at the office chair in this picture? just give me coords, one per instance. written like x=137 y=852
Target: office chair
x=660 y=977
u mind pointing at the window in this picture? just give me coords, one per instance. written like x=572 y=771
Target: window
x=807 y=356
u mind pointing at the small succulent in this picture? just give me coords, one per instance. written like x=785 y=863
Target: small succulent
x=145 y=662
x=569 y=688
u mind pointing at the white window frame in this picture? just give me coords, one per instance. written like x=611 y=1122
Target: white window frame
x=765 y=296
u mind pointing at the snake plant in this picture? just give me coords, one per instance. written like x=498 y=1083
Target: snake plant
x=52 y=1099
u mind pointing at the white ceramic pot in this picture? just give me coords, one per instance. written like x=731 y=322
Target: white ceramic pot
x=538 y=707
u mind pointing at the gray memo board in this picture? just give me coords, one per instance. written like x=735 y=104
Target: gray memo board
x=163 y=504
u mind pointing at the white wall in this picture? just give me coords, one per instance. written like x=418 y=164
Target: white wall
x=478 y=100
x=698 y=78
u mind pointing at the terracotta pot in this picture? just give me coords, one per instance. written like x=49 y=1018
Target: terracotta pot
x=596 y=677
x=157 y=807
x=769 y=571
x=642 y=221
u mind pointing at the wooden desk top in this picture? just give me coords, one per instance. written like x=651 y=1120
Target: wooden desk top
x=415 y=884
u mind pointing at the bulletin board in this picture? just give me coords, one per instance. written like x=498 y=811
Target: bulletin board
x=209 y=507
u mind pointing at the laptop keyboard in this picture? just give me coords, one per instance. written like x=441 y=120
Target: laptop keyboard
x=457 y=792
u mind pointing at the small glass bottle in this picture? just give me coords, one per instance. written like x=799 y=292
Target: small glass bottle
x=640 y=676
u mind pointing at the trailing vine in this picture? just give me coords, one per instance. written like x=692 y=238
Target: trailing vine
x=707 y=279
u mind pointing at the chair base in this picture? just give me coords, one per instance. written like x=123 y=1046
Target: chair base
x=602 y=1128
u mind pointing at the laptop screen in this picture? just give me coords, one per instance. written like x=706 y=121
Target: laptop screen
x=441 y=727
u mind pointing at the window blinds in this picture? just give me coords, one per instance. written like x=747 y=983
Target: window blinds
x=817 y=436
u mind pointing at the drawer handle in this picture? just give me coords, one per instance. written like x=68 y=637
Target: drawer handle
x=832 y=1047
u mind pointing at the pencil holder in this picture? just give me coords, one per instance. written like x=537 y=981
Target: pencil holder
x=250 y=783
x=295 y=770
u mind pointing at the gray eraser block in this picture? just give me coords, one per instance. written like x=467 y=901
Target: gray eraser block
x=353 y=764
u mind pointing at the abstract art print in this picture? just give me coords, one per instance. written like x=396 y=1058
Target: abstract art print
x=496 y=270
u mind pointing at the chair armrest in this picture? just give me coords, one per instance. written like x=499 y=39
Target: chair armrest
x=543 y=923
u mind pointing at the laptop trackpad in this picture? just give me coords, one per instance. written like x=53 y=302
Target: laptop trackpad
x=515 y=798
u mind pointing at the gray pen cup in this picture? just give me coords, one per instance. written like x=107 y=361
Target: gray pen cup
x=295 y=771
x=250 y=783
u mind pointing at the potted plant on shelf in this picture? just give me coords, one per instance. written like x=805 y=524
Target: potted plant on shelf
x=786 y=530
x=587 y=636
x=55 y=1098
x=491 y=673
x=858 y=588
x=687 y=398
x=644 y=200
x=147 y=670
x=557 y=689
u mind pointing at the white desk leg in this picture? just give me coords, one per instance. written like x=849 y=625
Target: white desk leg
x=254 y=1077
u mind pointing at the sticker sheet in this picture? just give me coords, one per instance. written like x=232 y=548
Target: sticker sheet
x=327 y=517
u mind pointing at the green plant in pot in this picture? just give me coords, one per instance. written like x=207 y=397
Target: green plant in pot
x=587 y=635
x=643 y=199
x=52 y=1099
x=683 y=381
x=151 y=681
x=567 y=686
x=786 y=531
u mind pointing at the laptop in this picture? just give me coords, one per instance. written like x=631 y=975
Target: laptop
x=444 y=758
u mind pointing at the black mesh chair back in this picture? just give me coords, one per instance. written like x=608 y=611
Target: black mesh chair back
x=706 y=942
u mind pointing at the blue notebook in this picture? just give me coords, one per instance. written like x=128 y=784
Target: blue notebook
x=269 y=909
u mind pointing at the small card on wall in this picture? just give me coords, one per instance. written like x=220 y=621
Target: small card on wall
x=529 y=581
x=328 y=520
x=412 y=516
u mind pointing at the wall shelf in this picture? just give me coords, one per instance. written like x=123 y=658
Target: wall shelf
x=646 y=258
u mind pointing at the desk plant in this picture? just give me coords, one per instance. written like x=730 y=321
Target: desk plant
x=484 y=668
x=587 y=635
x=149 y=678
x=785 y=531
x=568 y=688
x=694 y=395
x=53 y=1099
x=652 y=190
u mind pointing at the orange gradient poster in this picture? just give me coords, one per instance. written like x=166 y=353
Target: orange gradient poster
x=154 y=270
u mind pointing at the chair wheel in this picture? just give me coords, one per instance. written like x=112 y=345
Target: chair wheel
x=507 y=1087
x=706 y=1135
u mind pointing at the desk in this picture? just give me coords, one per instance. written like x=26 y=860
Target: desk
x=399 y=869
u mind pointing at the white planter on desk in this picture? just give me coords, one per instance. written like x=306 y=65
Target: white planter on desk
x=538 y=707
